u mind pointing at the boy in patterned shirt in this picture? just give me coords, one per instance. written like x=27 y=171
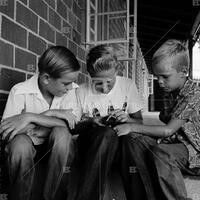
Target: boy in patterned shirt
x=174 y=147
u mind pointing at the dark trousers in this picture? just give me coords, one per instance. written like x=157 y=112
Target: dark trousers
x=97 y=146
x=21 y=153
x=155 y=168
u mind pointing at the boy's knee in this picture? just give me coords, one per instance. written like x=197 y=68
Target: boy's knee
x=61 y=137
x=160 y=154
x=129 y=138
x=20 y=145
x=105 y=138
x=106 y=134
x=60 y=133
x=135 y=139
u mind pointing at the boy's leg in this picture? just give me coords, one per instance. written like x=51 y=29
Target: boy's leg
x=134 y=166
x=20 y=160
x=96 y=149
x=60 y=148
x=169 y=160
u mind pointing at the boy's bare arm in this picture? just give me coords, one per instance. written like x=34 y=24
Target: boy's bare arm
x=151 y=130
x=64 y=114
x=18 y=123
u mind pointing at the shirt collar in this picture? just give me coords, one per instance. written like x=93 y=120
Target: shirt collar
x=31 y=86
x=187 y=87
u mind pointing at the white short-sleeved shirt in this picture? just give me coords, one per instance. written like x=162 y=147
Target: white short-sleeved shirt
x=124 y=91
x=27 y=97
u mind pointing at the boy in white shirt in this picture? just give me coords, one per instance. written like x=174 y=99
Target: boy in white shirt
x=106 y=95
x=33 y=120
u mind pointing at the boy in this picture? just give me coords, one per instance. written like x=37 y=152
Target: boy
x=32 y=121
x=106 y=95
x=179 y=141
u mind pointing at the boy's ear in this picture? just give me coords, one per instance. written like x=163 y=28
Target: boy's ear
x=45 y=78
x=184 y=71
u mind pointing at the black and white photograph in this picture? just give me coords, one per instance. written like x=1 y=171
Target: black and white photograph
x=99 y=100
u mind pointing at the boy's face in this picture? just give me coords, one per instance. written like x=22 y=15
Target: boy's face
x=104 y=81
x=59 y=87
x=168 y=77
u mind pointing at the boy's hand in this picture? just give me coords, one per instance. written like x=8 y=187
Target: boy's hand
x=120 y=115
x=122 y=129
x=13 y=125
x=63 y=114
x=40 y=132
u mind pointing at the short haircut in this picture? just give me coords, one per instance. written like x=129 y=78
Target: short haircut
x=100 y=58
x=173 y=49
x=56 y=60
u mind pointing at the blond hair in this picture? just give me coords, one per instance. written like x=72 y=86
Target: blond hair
x=173 y=49
x=100 y=58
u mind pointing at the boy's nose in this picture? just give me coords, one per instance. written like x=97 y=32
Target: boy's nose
x=105 y=88
x=160 y=81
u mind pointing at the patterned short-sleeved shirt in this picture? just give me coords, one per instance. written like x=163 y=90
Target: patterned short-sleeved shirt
x=186 y=106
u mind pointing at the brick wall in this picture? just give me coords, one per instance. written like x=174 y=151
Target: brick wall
x=28 y=27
